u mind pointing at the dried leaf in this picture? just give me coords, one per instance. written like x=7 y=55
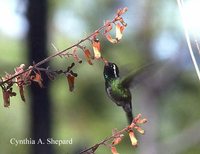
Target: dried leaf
x=51 y=75
x=133 y=139
x=76 y=57
x=19 y=69
x=88 y=56
x=6 y=98
x=37 y=78
x=70 y=79
x=96 y=48
x=114 y=150
x=21 y=91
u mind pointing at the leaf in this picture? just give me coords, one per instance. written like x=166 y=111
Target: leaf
x=19 y=69
x=76 y=57
x=96 y=48
x=133 y=139
x=6 y=98
x=114 y=150
x=37 y=78
x=21 y=91
x=88 y=56
x=70 y=79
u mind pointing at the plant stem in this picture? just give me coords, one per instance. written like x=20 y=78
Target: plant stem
x=58 y=53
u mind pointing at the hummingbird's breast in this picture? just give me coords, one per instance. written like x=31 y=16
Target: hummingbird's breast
x=118 y=93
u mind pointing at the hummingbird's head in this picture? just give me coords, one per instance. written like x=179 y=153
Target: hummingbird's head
x=111 y=71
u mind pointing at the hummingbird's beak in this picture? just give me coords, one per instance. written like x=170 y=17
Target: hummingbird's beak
x=105 y=61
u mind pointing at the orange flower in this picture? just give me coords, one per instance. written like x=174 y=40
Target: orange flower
x=118 y=34
x=88 y=56
x=119 y=30
x=114 y=150
x=96 y=48
x=37 y=78
x=70 y=79
x=76 y=58
x=117 y=140
x=139 y=129
x=133 y=139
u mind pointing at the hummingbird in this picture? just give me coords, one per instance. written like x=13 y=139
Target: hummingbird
x=118 y=89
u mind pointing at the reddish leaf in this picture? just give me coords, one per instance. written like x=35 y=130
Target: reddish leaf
x=88 y=56
x=70 y=79
x=96 y=48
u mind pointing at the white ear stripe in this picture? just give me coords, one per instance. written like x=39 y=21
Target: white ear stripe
x=115 y=71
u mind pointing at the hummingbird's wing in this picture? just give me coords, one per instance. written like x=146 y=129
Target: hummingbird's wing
x=139 y=75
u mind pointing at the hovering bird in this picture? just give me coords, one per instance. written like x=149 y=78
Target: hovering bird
x=118 y=89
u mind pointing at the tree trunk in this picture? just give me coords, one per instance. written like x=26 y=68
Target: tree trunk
x=40 y=102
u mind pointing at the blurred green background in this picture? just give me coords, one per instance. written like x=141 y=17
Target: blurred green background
x=170 y=101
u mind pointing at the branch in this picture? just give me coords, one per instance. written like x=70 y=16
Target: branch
x=23 y=77
x=117 y=136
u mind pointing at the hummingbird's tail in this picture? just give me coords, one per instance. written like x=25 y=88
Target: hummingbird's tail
x=129 y=116
x=128 y=109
